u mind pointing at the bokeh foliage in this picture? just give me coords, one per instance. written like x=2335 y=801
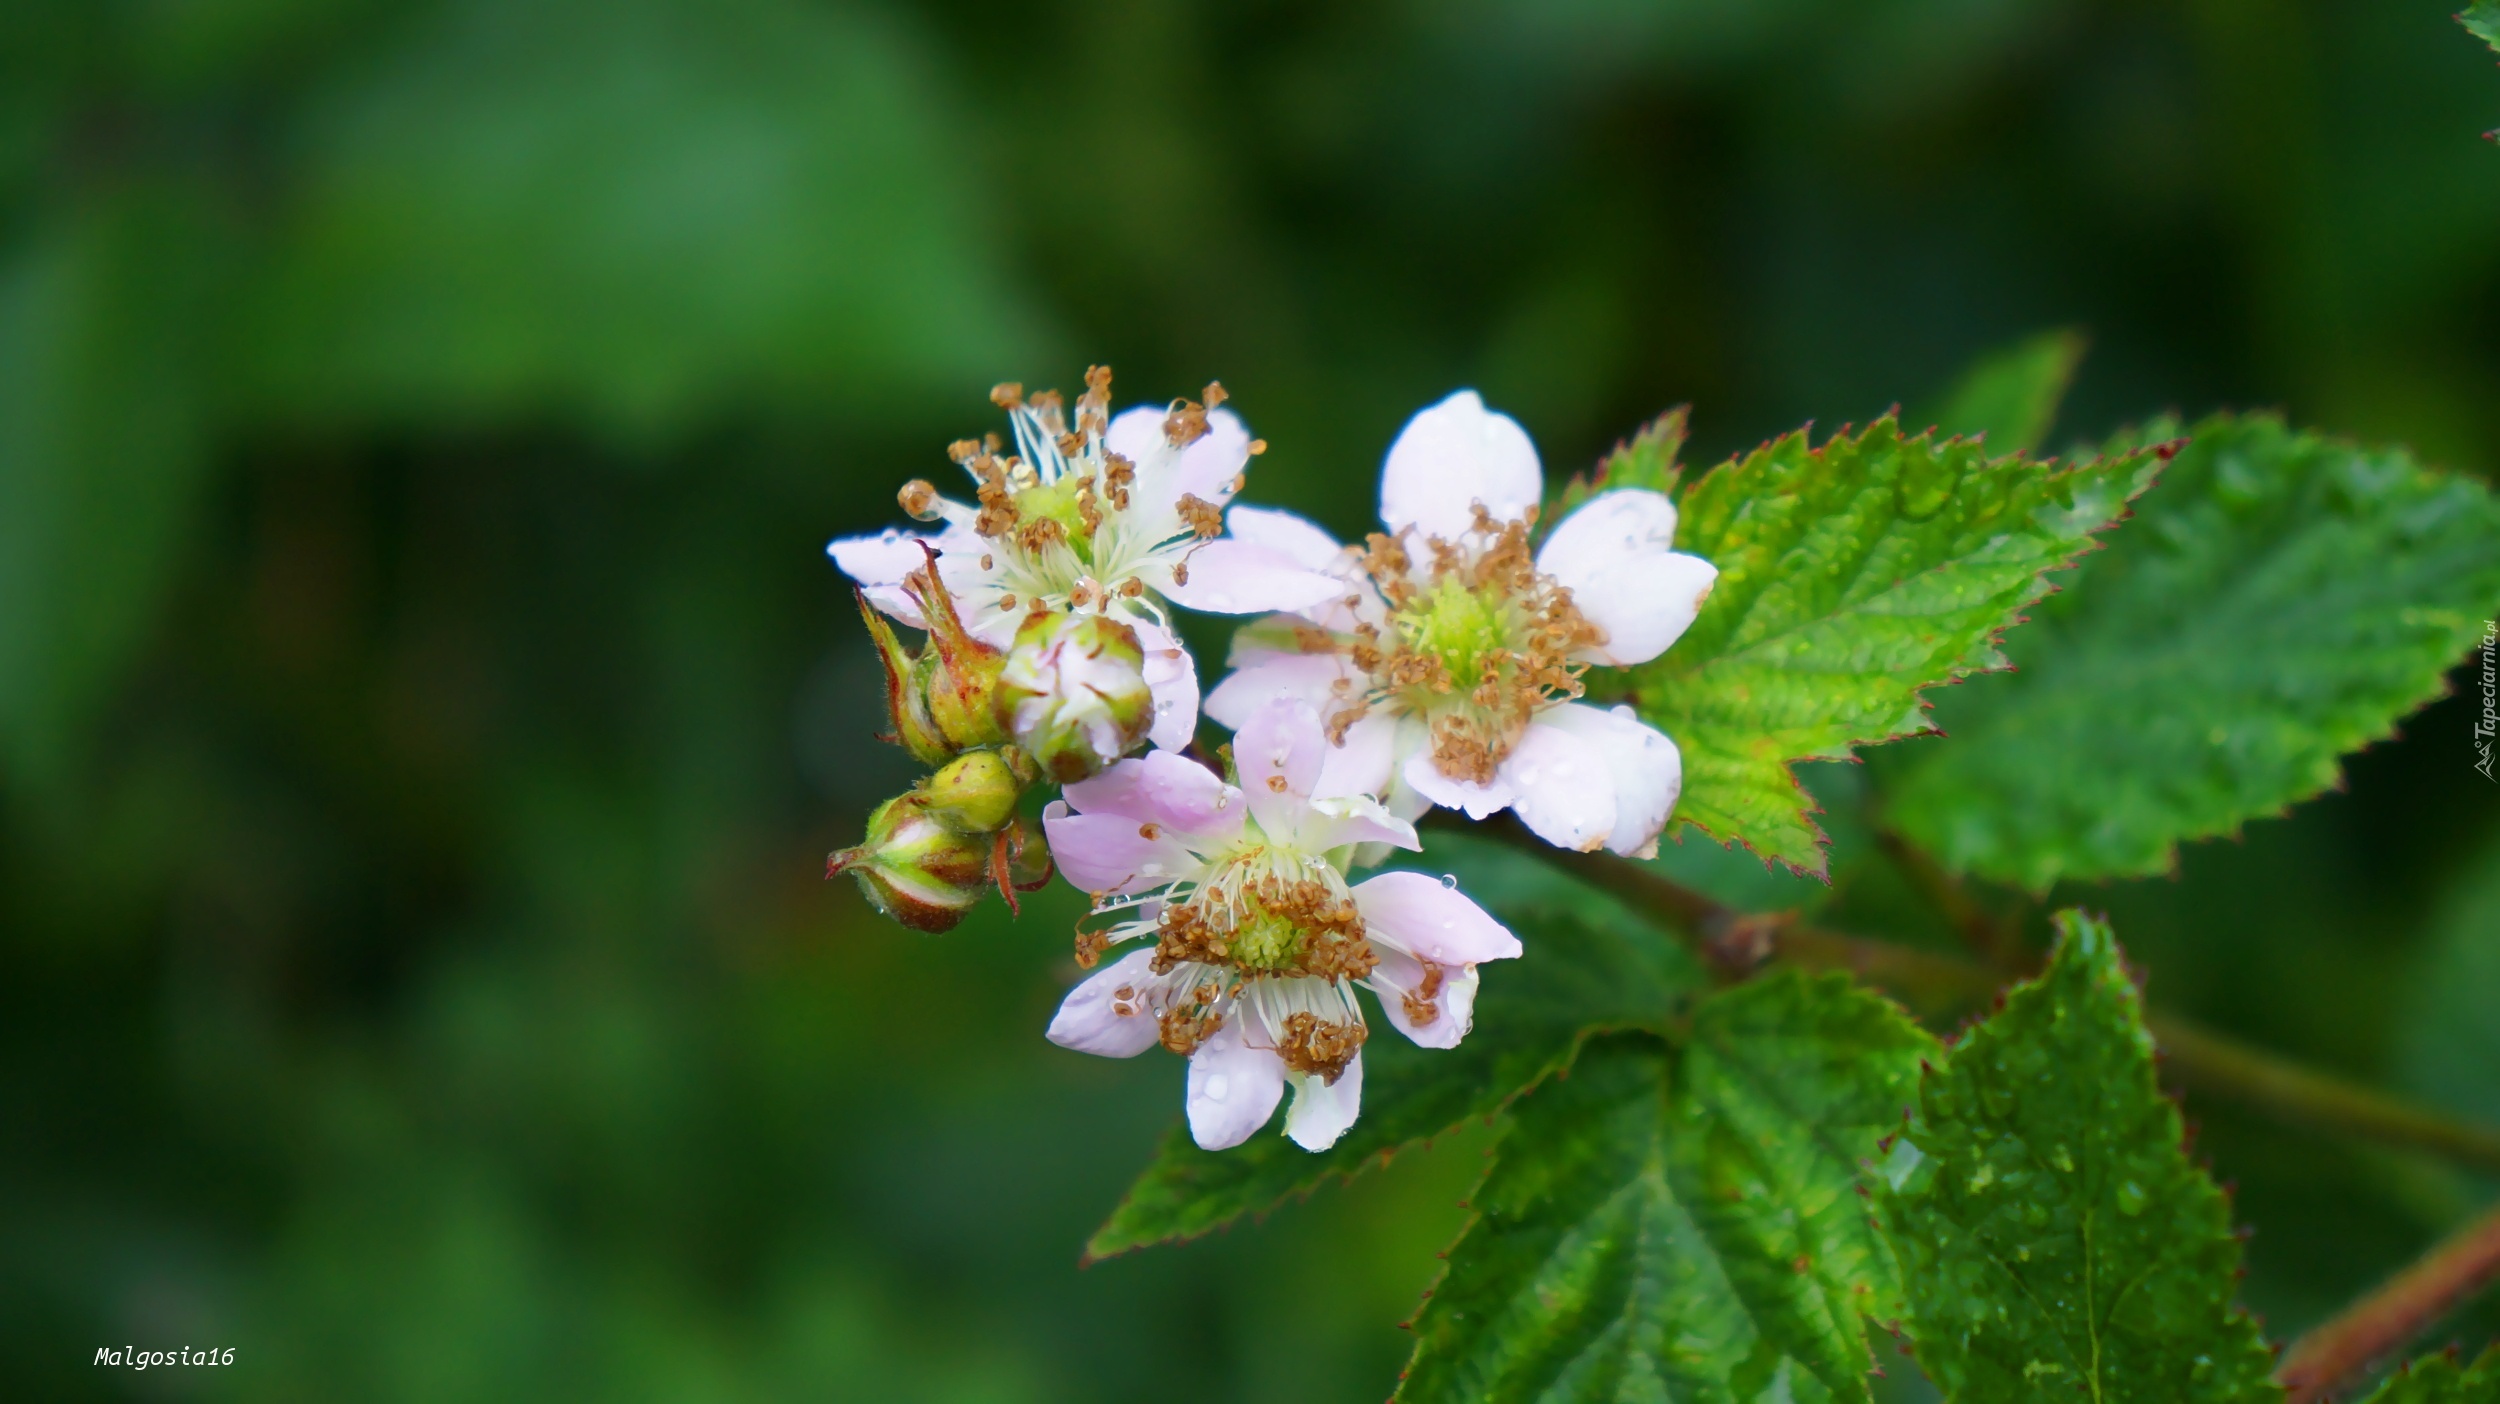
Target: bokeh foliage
x=423 y=706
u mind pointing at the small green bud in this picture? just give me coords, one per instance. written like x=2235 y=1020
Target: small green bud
x=976 y=792
x=1073 y=693
x=914 y=868
x=940 y=700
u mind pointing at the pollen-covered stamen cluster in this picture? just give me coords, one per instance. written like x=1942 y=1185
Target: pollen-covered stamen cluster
x=1266 y=937
x=1061 y=519
x=1477 y=641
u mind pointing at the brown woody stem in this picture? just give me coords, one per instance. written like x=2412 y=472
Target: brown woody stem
x=2384 y=1321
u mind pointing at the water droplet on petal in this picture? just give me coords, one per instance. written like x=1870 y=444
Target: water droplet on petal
x=1450 y=881
x=1217 y=1086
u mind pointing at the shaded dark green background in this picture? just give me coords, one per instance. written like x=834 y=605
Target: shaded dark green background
x=424 y=706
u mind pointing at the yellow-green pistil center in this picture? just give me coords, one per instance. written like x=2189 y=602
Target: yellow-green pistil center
x=1462 y=628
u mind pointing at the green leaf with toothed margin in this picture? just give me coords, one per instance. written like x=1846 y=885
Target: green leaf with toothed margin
x=2280 y=600
x=2482 y=20
x=1673 y=1223
x=1589 y=963
x=1646 y=460
x=2438 y=1379
x=2012 y=395
x=1852 y=575
x=2053 y=1236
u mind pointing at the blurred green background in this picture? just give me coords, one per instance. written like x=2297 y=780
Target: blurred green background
x=425 y=707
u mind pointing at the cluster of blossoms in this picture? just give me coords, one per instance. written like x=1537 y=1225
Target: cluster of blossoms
x=1437 y=663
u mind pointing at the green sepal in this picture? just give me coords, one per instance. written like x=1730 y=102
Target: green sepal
x=1852 y=575
x=2054 y=1237
x=2281 y=599
x=1687 y=1222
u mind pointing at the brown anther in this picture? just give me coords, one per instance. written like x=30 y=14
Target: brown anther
x=1040 y=535
x=1257 y=447
x=1007 y=394
x=1150 y=831
x=919 y=499
x=1200 y=516
x=1089 y=948
x=1006 y=602
x=1276 y=783
x=1317 y=1047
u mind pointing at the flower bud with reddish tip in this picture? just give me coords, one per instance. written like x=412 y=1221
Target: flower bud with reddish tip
x=956 y=674
x=1073 y=693
x=976 y=793
x=914 y=868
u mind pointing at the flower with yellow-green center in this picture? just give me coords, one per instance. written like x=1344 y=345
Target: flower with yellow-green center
x=1251 y=941
x=1448 y=664
x=1111 y=515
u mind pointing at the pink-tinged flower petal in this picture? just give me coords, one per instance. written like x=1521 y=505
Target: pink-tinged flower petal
x=1260 y=677
x=1165 y=788
x=1565 y=785
x=1362 y=763
x=1432 y=919
x=1293 y=537
x=1136 y=434
x=1172 y=676
x=1323 y=1111
x=1642 y=765
x=1334 y=823
x=1479 y=801
x=1446 y=1015
x=877 y=564
x=1233 y=1088
x=1095 y=1019
x=1237 y=577
x=1209 y=466
x=1110 y=853
x=1451 y=456
x=1614 y=555
x=1205 y=468
x=885 y=558
x=1278 y=753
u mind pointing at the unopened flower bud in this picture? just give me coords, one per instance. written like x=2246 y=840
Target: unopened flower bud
x=941 y=701
x=976 y=792
x=914 y=868
x=1073 y=693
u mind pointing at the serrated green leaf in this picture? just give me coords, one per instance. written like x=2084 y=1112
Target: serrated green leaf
x=1646 y=460
x=1851 y=576
x=2012 y=395
x=2281 y=599
x=2482 y=20
x=2438 y=1379
x=1589 y=962
x=2053 y=1235
x=1664 y=1224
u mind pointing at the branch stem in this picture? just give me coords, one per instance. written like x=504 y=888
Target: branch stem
x=1941 y=987
x=2381 y=1323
